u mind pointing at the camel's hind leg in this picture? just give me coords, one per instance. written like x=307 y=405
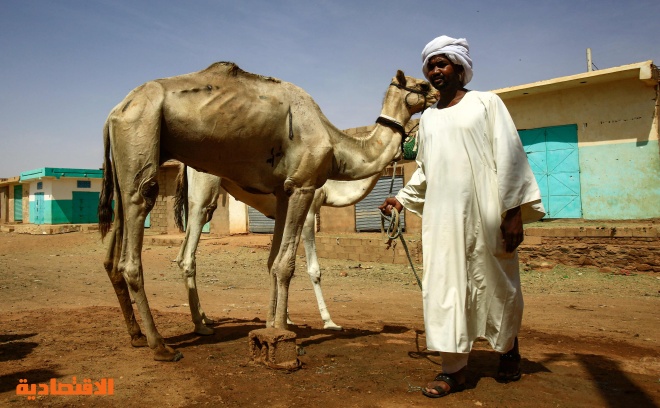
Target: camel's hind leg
x=135 y=148
x=121 y=289
x=197 y=217
x=313 y=268
x=138 y=194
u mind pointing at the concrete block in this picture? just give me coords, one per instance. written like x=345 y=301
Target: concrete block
x=352 y=242
x=600 y=232
x=532 y=240
x=646 y=232
x=534 y=232
x=353 y=256
x=275 y=348
x=622 y=232
x=362 y=250
x=400 y=260
x=367 y=257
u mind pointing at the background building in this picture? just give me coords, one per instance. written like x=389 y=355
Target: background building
x=62 y=196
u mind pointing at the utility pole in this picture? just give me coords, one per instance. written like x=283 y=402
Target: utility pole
x=589 y=62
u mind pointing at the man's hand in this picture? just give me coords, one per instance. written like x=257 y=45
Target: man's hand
x=512 y=229
x=390 y=202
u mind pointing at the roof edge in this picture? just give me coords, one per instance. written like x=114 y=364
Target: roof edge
x=61 y=172
x=644 y=71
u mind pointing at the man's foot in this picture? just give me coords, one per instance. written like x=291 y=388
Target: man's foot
x=445 y=384
x=509 y=369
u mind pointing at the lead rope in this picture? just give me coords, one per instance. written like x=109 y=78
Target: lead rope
x=394 y=229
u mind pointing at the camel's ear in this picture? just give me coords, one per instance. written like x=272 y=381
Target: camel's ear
x=401 y=77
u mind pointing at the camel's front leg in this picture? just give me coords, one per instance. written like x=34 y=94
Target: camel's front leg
x=284 y=263
x=313 y=268
x=188 y=263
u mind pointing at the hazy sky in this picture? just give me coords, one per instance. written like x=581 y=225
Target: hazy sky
x=65 y=63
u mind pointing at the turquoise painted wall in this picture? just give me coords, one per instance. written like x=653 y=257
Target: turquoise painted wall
x=57 y=212
x=60 y=211
x=620 y=181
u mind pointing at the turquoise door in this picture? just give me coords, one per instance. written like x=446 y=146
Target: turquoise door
x=553 y=155
x=85 y=207
x=18 y=203
x=37 y=215
x=147 y=221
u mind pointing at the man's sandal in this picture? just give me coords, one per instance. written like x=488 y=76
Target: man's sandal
x=453 y=386
x=509 y=369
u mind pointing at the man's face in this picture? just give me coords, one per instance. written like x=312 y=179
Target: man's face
x=443 y=73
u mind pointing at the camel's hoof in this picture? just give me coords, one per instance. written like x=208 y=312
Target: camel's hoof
x=139 y=340
x=204 y=330
x=332 y=326
x=167 y=353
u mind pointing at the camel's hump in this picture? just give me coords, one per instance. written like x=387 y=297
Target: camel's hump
x=230 y=68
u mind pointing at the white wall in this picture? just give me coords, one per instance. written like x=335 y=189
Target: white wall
x=238 y=219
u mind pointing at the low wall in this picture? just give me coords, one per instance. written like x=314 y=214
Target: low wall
x=628 y=248
x=367 y=247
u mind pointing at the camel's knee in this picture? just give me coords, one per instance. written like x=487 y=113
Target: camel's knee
x=132 y=273
x=149 y=191
x=284 y=274
x=116 y=277
x=111 y=267
x=188 y=268
x=315 y=275
x=210 y=209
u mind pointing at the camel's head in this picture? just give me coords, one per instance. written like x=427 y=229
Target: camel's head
x=412 y=93
x=405 y=97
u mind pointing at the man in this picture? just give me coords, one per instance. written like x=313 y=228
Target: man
x=475 y=189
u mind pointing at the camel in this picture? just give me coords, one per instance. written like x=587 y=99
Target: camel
x=197 y=196
x=265 y=135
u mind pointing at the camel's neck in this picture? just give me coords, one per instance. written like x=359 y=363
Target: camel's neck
x=357 y=158
x=343 y=193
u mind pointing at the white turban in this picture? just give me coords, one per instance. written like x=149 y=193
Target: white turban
x=457 y=50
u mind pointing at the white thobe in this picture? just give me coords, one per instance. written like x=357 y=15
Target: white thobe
x=471 y=169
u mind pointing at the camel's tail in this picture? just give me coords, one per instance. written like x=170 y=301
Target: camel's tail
x=107 y=190
x=181 y=198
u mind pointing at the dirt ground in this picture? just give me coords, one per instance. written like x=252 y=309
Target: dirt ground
x=589 y=338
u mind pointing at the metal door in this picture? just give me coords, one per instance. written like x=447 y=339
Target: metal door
x=39 y=208
x=367 y=216
x=259 y=223
x=552 y=153
x=18 y=203
x=85 y=205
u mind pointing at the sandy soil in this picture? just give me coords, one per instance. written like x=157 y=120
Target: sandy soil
x=589 y=339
